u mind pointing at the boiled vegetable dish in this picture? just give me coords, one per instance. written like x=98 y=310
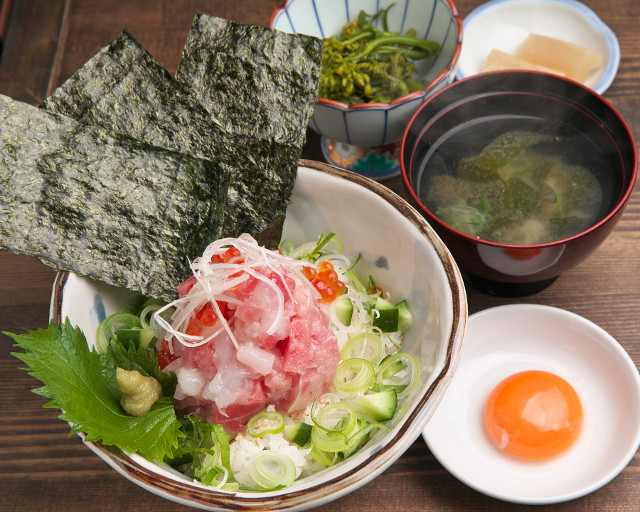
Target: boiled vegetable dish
x=367 y=64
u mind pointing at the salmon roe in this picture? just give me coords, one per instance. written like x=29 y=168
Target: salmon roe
x=325 y=280
x=164 y=355
x=232 y=254
x=205 y=317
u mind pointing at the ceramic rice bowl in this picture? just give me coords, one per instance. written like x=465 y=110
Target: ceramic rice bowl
x=398 y=246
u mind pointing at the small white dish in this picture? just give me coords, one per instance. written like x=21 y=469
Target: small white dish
x=508 y=339
x=504 y=24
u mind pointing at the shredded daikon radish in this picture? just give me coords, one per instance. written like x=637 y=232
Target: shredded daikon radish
x=213 y=280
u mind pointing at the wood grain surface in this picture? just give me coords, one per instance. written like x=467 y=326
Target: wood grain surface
x=42 y=468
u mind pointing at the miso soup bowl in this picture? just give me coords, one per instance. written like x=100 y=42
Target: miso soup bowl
x=482 y=107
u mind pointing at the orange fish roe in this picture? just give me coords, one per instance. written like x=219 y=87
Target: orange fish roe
x=325 y=280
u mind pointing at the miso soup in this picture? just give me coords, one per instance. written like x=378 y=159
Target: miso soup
x=523 y=187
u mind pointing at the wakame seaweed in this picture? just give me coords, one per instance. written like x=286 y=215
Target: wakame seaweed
x=106 y=206
x=124 y=88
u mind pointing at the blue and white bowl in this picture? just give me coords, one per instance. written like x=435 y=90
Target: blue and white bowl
x=504 y=24
x=377 y=124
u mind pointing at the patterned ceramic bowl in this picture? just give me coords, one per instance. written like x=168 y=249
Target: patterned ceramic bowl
x=398 y=246
x=504 y=24
x=370 y=125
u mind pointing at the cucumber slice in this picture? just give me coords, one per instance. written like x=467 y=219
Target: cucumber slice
x=387 y=319
x=381 y=304
x=298 y=433
x=140 y=337
x=344 y=310
x=379 y=406
x=405 y=319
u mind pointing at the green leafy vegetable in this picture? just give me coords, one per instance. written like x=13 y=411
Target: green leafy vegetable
x=204 y=453
x=83 y=384
x=367 y=64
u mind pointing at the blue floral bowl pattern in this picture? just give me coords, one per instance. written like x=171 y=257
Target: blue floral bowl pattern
x=377 y=124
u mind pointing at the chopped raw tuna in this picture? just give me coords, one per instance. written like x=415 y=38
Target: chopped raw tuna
x=249 y=334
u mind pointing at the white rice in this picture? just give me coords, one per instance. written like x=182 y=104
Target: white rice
x=244 y=447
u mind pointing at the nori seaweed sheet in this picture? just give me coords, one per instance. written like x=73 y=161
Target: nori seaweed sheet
x=123 y=177
x=259 y=81
x=124 y=88
x=106 y=206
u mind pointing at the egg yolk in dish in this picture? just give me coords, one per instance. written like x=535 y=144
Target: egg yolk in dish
x=533 y=415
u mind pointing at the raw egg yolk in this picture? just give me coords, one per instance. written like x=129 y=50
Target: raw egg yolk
x=533 y=415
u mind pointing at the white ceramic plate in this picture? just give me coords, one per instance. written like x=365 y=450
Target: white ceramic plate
x=504 y=24
x=508 y=339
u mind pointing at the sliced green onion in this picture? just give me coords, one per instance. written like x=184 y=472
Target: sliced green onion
x=365 y=345
x=354 y=375
x=325 y=244
x=325 y=458
x=336 y=417
x=402 y=408
x=333 y=425
x=146 y=315
x=138 y=336
x=401 y=371
x=214 y=475
x=108 y=327
x=266 y=422
x=362 y=435
x=271 y=469
x=354 y=279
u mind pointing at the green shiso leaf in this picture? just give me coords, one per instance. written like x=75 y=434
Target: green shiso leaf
x=82 y=383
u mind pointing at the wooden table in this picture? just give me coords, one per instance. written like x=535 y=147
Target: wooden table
x=43 y=469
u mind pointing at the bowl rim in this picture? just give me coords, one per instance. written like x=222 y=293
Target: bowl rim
x=613 y=57
x=441 y=77
x=619 y=205
x=195 y=495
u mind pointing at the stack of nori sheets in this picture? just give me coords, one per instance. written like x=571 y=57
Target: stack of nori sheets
x=125 y=173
